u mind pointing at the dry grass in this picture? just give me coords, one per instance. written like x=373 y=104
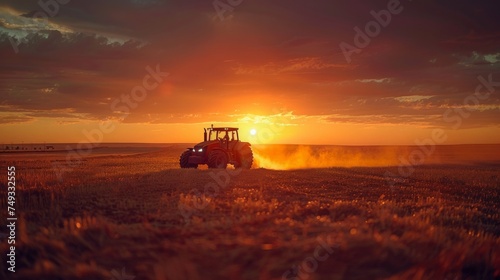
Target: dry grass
x=114 y=212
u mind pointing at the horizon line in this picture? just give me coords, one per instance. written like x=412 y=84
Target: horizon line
x=190 y=143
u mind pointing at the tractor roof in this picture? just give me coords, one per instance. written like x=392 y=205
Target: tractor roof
x=225 y=129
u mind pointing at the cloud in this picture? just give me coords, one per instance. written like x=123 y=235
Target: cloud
x=412 y=98
x=278 y=54
x=9 y=119
x=303 y=65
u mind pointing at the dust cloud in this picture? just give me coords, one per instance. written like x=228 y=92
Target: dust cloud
x=284 y=157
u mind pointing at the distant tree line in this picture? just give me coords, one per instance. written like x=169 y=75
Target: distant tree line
x=26 y=148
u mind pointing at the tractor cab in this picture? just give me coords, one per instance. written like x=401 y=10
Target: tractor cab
x=221 y=133
x=221 y=146
x=227 y=137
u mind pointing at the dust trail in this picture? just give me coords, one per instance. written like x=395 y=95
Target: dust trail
x=283 y=157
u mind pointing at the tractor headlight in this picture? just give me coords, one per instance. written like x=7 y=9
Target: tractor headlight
x=194 y=150
x=200 y=150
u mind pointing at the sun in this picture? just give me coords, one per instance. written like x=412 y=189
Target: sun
x=253 y=131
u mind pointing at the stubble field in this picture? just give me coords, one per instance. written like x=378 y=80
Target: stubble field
x=138 y=216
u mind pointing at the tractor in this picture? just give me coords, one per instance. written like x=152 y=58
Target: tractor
x=221 y=146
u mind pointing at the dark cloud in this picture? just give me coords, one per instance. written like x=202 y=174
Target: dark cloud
x=280 y=54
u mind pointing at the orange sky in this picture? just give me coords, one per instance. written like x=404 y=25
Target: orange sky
x=276 y=67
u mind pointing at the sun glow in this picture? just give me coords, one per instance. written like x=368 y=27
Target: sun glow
x=253 y=131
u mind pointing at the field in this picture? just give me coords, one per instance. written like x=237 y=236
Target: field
x=302 y=213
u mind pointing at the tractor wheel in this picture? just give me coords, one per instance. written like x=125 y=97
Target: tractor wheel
x=244 y=157
x=184 y=160
x=217 y=159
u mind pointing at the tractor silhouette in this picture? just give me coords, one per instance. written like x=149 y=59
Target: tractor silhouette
x=221 y=146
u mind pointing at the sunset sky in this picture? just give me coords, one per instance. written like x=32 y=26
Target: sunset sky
x=274 y=66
